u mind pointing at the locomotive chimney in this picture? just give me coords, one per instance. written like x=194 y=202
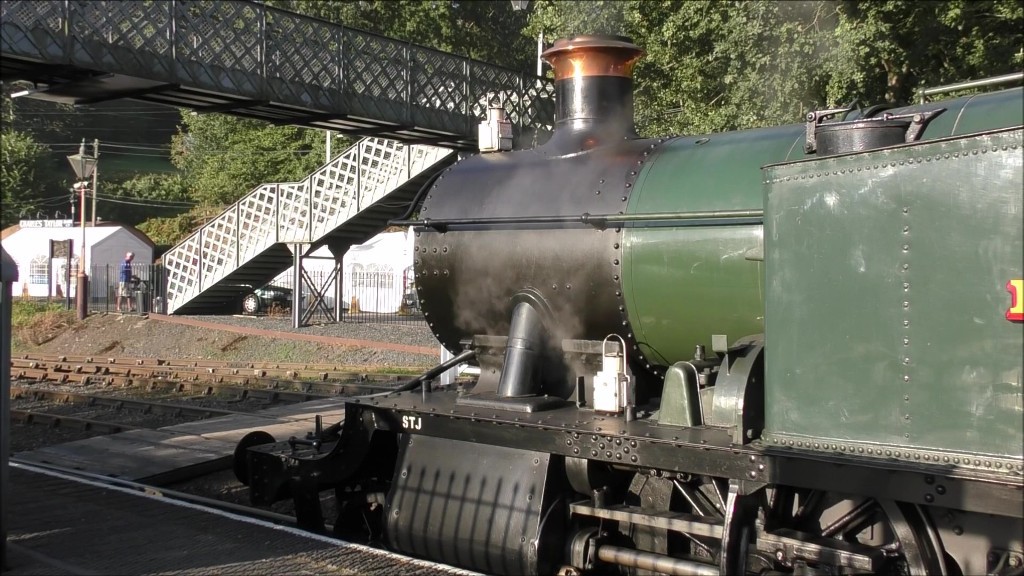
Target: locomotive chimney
x=593 y=89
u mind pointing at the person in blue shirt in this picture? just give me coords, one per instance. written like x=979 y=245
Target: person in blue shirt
x=124 y=279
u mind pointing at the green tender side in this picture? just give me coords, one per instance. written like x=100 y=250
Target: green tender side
x=683 y=284
x=887 y=297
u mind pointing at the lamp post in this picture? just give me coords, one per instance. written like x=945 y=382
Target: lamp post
x=83 y=165
x=518 y=5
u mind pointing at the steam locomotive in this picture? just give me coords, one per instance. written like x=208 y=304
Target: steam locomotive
x=794 y=350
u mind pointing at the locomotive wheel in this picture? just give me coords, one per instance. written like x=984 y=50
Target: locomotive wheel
x=900 y=535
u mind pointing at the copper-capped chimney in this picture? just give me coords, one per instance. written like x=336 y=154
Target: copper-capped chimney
x=593 y=90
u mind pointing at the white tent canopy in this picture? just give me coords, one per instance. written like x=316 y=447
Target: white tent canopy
x=379 y=273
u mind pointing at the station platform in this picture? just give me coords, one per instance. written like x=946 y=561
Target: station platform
x=182 y=451
x=62 y=525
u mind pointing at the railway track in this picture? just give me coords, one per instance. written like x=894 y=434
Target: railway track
x=310 y=379
x=61 y=398
x=117 y=403
x=109 y=414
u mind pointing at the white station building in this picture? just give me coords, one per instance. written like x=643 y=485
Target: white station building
x=42 y=274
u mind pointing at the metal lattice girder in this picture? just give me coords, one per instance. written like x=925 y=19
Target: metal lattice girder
x=260 y=62
x=292 y=212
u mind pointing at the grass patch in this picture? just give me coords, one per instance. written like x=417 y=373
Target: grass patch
x=34 y=323
x=399 y=370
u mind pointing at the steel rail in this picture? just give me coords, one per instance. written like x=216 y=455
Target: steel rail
x=321 y=384
x=209 y=390
x=32 y=417
x=332 y=370
x=117 y=403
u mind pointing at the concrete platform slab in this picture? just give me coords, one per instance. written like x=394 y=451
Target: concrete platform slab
x=156 y=456
x=231 y=429
x=306 y=410
x=182 y=451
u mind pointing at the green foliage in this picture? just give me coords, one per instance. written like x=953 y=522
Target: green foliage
x=728 y=66
x=568 y=18
x=887 y=50
x=168 y=231
x=716 y=65
x=710 y=65
x=22 y=164
x=116 y=166
x=24 y=311
x=46 y=121
x=141 y=196
x=35 y=322
x=223 y=158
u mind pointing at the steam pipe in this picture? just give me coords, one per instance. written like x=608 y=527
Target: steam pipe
x=595 y=220
x=429 y=374
x=419 y=195
x=654 y=562
x=518 y=376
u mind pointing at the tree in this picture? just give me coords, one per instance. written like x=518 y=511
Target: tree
x=168 y=231
x=710 y=65
x=29 y=185
x=714 y=66
x=890 y=49
x=22 y=162
x=222 y=158
x=142 y=196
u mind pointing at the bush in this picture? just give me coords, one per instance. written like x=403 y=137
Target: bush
x=37 y=322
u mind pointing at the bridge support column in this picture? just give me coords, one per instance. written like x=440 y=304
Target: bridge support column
x=338 y=250
x=297 y=284
x=339 y=273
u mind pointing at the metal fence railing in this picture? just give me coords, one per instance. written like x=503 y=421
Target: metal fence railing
x=380 y=296
x=140 y=294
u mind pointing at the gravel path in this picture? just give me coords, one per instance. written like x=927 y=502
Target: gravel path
x=137 y=336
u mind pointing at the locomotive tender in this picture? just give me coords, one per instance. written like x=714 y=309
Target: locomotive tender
x=794 y=350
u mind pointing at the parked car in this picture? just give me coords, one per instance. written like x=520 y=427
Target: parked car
x=265 y=298
x=272 y=296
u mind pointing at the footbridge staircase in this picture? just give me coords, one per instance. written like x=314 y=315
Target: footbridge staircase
x=344 y=202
